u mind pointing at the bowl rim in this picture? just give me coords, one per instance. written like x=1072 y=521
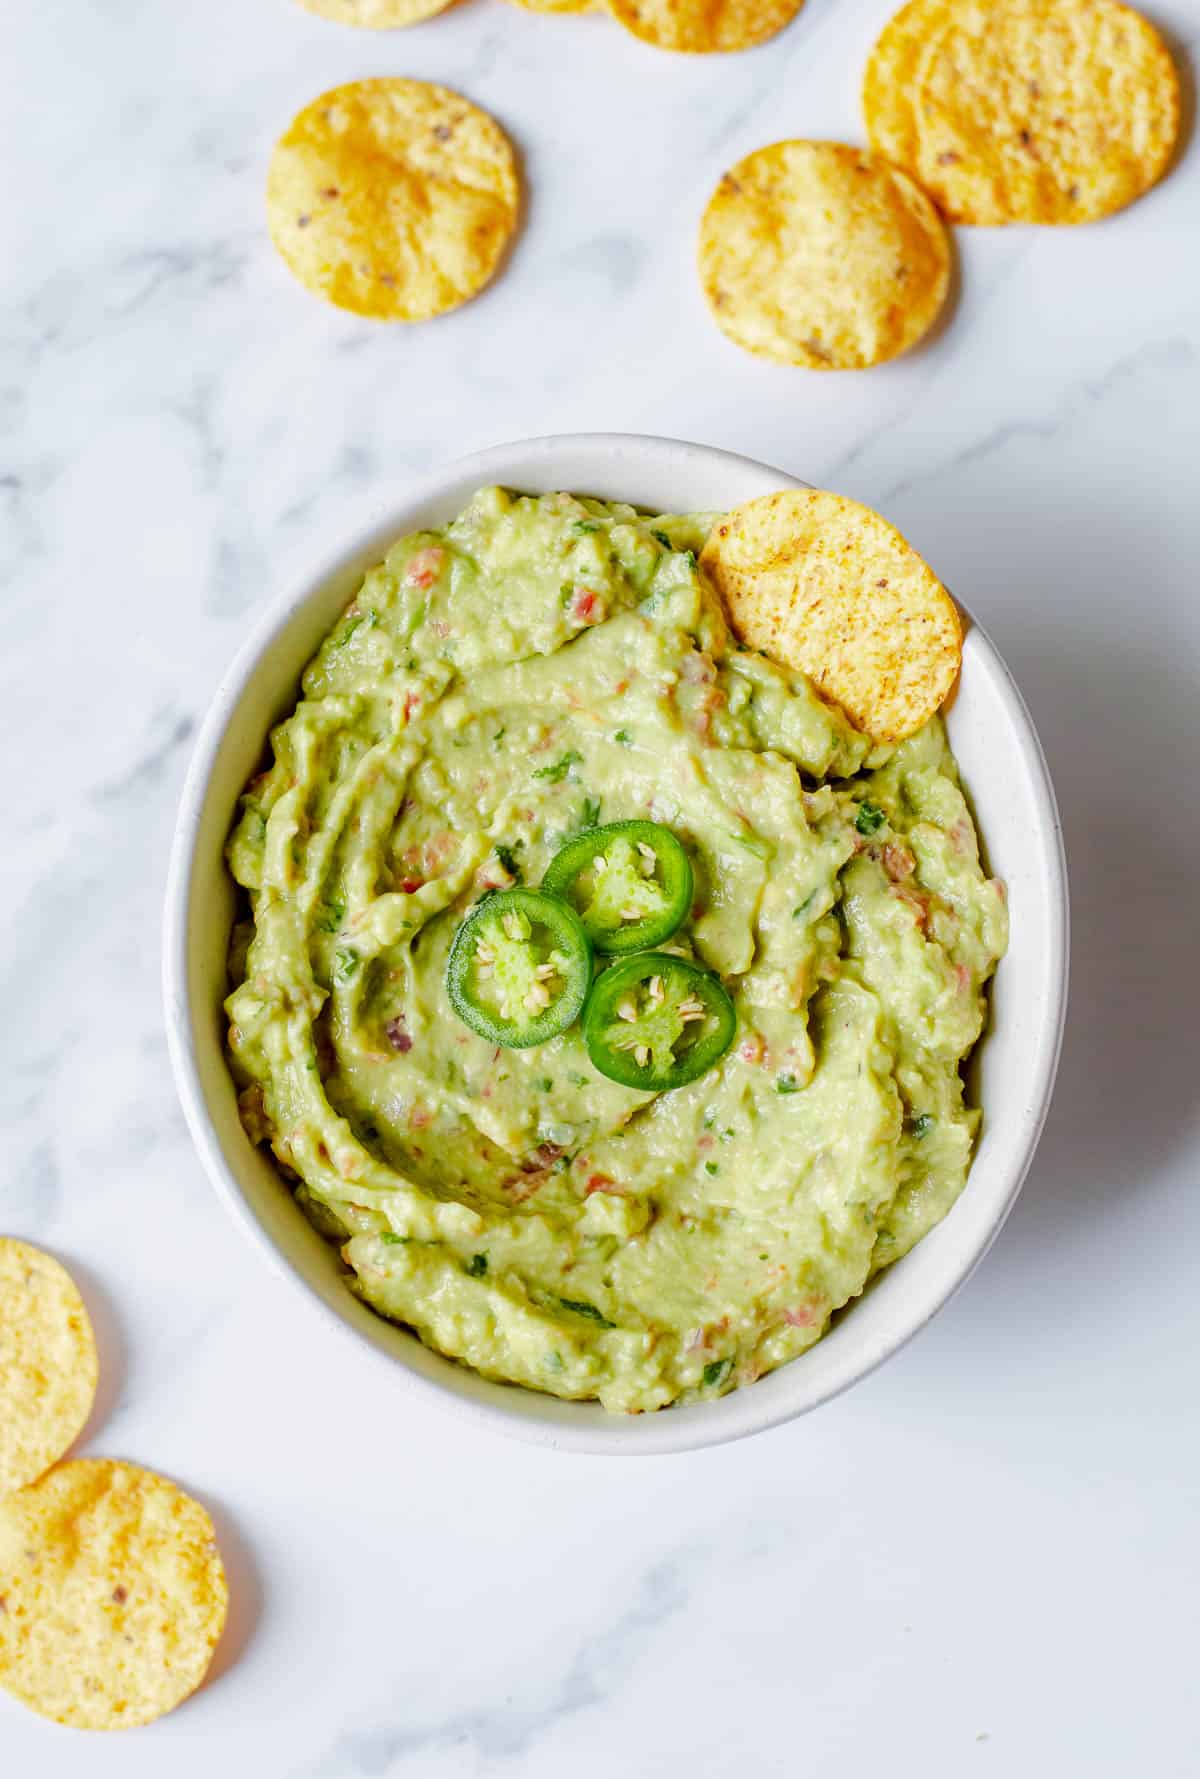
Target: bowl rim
x=663 y=1432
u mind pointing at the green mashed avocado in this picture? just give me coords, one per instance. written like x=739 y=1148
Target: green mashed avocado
x=537 y=668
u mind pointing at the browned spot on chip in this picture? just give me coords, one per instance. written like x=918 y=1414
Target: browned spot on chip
x=799 y=575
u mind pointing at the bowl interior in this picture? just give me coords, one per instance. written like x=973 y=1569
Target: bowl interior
x=1012 y=1073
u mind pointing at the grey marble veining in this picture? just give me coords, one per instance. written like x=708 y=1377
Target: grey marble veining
x=983 y=1558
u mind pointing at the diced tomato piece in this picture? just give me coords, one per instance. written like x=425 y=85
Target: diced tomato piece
x=425 y=567
x=898 y=860
x=587 y=607
x=914 y=900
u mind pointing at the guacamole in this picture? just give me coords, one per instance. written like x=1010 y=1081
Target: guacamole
x=493 y=691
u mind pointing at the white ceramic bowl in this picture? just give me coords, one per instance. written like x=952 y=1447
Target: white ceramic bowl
x=1013 y=1071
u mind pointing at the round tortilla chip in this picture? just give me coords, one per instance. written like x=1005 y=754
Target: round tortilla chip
x=376 y=15
x=393 y=198
x=826 y=585
x=113 y=1595
x=48 y=1368
x=560 y=5
x=704 y=27
x=817 y=254
x=1047 y=111
x=889 y=83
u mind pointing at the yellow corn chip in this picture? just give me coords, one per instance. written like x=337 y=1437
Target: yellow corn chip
x=700 y=27
x=1048 y=111
x=376 y=15
x=827 y=586
x=560 y=5
x=393 y=198
x=890 y=81
x=817 y=254
x=112 y=1594
x=48 y=1367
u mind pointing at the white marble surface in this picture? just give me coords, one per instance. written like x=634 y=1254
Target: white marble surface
x=983 y=1560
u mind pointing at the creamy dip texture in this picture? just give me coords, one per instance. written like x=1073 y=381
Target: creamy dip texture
x=536 y=668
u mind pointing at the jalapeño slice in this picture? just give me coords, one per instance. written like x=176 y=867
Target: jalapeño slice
x=629 y=882
x=657 y=1021
x=519 y=968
